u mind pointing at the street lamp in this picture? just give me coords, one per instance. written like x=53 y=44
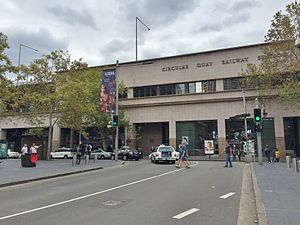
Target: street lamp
x=136 y=35
x=20 y=50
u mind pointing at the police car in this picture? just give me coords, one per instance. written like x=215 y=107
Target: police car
x=164 y=153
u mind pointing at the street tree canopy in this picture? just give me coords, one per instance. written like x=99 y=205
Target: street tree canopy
x=278 y=74
x=56 y=90
x=6 y=85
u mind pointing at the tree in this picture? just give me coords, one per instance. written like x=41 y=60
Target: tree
x=6 y=85
x=56 y=92
x=277 y=75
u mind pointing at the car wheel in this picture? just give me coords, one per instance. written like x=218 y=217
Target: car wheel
x=65 y=157
x=51 y=156
x=124 y=158
x=137 y=159
x=102 y=157
x=155 y=161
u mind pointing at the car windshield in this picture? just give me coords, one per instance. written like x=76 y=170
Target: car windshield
x=167 y=148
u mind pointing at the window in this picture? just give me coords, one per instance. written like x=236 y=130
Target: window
x=168 y=89
x=180 y=89
x=151 y=91
x=192 y=88
x=209 y=86
x=232 y=84
x=138 y=92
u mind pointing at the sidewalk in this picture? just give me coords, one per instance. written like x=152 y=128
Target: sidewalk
x=280 y=193
x=11 y=171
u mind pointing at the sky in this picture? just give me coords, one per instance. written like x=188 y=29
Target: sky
x=102 y=32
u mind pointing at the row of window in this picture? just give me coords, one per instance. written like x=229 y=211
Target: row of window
x=185 y=88
x=174 y=89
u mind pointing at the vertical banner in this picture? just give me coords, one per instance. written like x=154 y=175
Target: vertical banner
x=108 y=94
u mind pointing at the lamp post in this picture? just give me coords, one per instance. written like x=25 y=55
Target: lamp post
x=20 y=51
x=136 y=35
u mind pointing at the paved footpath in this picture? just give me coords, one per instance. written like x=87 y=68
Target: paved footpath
x=280 y=191
x=11 y=171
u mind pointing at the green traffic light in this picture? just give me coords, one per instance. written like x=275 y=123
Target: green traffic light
x=257 y=118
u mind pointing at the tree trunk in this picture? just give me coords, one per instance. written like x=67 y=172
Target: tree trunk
x=50 y=135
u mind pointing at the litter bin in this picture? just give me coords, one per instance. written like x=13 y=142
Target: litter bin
x=26 y=160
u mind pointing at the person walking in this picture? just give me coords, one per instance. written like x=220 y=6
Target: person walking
x=24 y=149
x=277 y=155
x=184 y=156
x=268 y=152
x=228 y=150
x=180 y=156
x=80 y=152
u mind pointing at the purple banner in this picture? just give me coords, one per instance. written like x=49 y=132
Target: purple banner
x=108 y=94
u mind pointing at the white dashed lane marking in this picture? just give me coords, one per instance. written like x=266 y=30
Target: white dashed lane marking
x=186 y=213
x=227 y=195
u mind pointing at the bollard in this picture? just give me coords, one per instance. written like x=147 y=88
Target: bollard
x=74 y=159
x=295 y=165
x=288 y=161
x=95 y=158
x=86 y=159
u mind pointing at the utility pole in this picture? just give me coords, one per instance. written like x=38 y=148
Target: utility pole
x=257 y=120
x=117 y=111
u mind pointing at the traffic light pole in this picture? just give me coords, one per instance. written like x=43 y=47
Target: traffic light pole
x=258 y=136
x=117 y=111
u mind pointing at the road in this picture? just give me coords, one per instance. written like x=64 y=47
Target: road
x=136 y=193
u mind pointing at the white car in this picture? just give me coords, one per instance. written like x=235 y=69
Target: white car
x=12 y=154
x=62 y=153
x=101 y=154
x=164 y=154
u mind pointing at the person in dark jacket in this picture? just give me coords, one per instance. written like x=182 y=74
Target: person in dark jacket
x=228 y=150
x=80 y=152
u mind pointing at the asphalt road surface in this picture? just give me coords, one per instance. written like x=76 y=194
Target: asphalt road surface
x=136 y=193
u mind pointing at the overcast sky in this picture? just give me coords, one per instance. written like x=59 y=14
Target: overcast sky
x=102 y=31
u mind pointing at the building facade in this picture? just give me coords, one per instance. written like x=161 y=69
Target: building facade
x=193 y=96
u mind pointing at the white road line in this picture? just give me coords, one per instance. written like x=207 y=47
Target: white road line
x=90 y=195
x=227 y=195
x=186 y=213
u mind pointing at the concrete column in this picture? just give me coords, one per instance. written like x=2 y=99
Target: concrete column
x=222 y=137
x=172 y=133
x=3 y=134
x=56 y=137
x=279 y=136
x=130 y=93
x=130 y=137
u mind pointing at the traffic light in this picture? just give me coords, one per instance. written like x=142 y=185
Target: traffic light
x=115 y=120
x=257 y=115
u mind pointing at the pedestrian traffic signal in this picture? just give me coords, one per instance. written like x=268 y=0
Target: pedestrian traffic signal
x=257 y=115
x=115 y=120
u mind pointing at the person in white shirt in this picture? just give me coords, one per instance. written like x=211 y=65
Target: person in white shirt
x=34 y=148
x=24 y=149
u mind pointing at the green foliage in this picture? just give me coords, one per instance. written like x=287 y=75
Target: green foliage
x=277 y=76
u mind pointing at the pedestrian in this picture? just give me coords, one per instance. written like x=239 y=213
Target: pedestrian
x=234 y=153
x=33 y=151
x=268 y=152
x=180 y=156
x=184 y=157
x=228 y=150
x=239 y=153
x=24 y=149
x=80 y=152
x=277 y=155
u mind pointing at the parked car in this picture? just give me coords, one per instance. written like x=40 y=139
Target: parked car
x=62 y=153
x=101 y=154
x=164 y=154
x=12 y=154
x=127 y=153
